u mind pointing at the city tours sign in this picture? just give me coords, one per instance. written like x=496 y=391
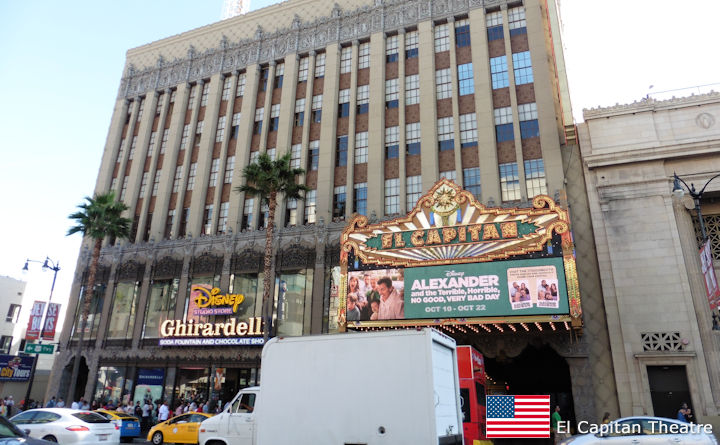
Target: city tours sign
x=452 y=260
x=197 y=329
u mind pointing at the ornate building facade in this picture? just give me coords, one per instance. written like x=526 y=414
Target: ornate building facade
x=376 y=100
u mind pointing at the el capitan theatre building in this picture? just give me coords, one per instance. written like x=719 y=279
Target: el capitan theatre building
x=503 y=280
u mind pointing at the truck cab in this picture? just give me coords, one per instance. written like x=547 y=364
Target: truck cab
x=471 y=374
x=236 y=424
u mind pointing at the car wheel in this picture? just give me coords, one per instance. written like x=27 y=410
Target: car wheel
x=157 y=438
x=50 y=438
x=125 y=439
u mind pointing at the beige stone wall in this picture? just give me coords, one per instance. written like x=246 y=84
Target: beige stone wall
x=647 y=250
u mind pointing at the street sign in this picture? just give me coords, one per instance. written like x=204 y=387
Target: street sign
x=34 y=348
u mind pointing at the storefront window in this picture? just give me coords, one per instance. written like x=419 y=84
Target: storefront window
x=192 y=384
x=293 y=296
x=93 y=320
x=160 y=307
x=149 y=385
x=250 y=286
x=123 y=311
x=109 y=384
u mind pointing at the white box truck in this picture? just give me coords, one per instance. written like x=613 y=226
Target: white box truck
x=379 y=388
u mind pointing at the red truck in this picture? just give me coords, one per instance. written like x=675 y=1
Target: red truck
x=471 y=372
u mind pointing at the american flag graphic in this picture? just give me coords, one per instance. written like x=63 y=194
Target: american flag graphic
x=518 y=416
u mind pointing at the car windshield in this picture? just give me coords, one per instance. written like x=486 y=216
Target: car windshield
x=89 y=417
x=7 y=429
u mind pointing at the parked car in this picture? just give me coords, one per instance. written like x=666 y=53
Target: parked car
x=641 y=430
x=12 y=435
x=129 y=424
x=179 y=429
x=68 y=426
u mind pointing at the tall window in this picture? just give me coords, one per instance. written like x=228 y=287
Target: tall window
x=443 y=83
x=279 y=75
x=156 y=183
x=360 y=199
x=412 y=139
x=229 y=169
x=346 y=60
x=391 y=93
x=535 y=180
x=471 y=181
x=494 y=25
x=499 y=72
x=320 y=65
x=445 y=130
x=341 y=151
x=392 y=143
x=191 y=176
x=516 y=17
x=361 y=147
x=295 y=154
x=214 y=171
x=462 y=33
x=204 y=97
x=339 y=202
x=344 y=103
x=364 y=55
x=141 y=108
x=161 y=306
x=199 y=131
x=299 y=112
x=413 y=191
x=223 y=218
x=291 y=212
x=169 y=223
x=468 y=130
x=241 y=85
x=272 y=152
x=220 y=132
x=303 y=67
x=133 y=145
x=124 y=307
x=509 y=182
x=363 y=99
x=191 y=99
x=143 y=184
x=310 y=203
x=391 y=49
x=316 y=113
x=528 y=121
x=503 y=124
x=522 y=67
x=207 y=219
x=264 y=74
x=411 y=44
x=450 y=175
x=254 y=157
x=124 y=188
x=121 y=149
x=412 y=89
x=274 y=117
x=185 y=136
x=247 y=220
x=13 y=313
x=164 y=141
x=151 y=144
x=158 y=105
x=227 y=82
x=259 y=115
x=313 y=155
x=5 y=344
x=235 y=126
x=465 y=79
x=442 y=38
x=392 y=196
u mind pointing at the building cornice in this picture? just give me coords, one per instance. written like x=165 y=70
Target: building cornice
x=650 y=104
x=265 y=46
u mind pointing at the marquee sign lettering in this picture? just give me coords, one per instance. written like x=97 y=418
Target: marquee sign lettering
x=192 y=333
x=207 y=301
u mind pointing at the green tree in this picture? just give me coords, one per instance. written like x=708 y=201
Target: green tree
x=98 y=218
x=266 y=179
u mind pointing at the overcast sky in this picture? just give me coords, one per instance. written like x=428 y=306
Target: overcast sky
x=61 y=64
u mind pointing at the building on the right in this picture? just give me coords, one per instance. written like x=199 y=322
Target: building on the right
x=663 y=328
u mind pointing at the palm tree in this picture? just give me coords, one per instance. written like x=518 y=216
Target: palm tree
x=267 y=178
x=98 y=217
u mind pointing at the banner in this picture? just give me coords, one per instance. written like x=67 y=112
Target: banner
x=149 y=385
x=35 y=322
x=14 y=368
x=51 y=319
x=708 y=270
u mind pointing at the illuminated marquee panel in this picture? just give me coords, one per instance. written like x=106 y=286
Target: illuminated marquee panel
x=452 y=260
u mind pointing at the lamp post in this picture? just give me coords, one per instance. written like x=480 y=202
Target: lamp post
x=48 y=264
x=678 y=192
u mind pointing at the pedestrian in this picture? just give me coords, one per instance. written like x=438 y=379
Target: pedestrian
x=606 y=418
x=163 y=412
x=555 y=420
x=60 y=403
x=146 y=408
x=3 y=408
x=75 y=405
x=51 y=403
x=682 y=412
x=10 y=404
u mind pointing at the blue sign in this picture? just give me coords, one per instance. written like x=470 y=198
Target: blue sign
x=151 y=376
x=15 y=369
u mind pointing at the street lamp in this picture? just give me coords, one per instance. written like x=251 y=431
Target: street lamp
x=48 y=264
x=678 y=192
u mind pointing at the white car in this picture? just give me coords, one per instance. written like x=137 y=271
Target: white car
x=68 y=426
x=642 y=430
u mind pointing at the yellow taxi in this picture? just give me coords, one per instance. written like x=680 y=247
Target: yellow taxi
x=179 y=429
x=128 y=424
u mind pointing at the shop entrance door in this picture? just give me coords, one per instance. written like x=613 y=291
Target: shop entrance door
x=537 y=370
x=668 y=389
